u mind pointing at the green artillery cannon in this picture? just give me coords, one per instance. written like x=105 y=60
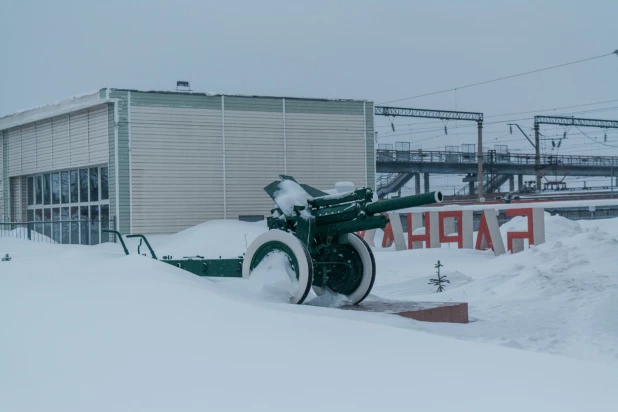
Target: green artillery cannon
x=317 y=232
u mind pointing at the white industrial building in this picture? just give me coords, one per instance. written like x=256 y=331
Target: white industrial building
x=159 y=162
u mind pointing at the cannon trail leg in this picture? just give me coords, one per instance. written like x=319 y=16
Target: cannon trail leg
x=355 y=277
x=296 y=252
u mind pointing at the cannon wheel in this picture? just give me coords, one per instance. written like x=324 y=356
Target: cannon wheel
x=294 y=249
x=357 y=286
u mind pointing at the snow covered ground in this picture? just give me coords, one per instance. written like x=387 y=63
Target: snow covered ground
x=89 y=329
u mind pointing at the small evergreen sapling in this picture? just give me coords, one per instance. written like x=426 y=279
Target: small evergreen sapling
x=440 y=280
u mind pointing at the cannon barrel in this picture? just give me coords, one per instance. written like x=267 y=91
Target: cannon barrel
x=404 y=202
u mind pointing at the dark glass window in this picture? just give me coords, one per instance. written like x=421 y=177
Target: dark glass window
x=38 y=217
x=65 y=225
x=104 y=183
x=104 y=223
x=94 y=225
x=39 y=190
x=48 y=225
x=83 y=185
x=83 y=215
x=55 y=188
x=75 y=225
x=56 y=225
x=74 y=187
x=30 y=191
x=94 y=184
x=46 y=189
x=64 y=187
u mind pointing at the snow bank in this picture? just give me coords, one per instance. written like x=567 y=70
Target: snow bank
x=560 y=297
x=87 y=328
x=130 y=333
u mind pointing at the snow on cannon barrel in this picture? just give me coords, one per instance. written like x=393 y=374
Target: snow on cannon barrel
x=316 y=231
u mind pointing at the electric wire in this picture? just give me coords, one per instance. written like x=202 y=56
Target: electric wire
x=500 y=78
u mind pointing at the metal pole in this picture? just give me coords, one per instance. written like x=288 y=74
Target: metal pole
x=480 y=163
x=537 y=157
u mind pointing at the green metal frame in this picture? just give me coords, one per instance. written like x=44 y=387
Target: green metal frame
x=142 y=237
x=196 y=265
x=117 y=233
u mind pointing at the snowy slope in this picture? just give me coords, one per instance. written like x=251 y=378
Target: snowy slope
x=560 y=297
x=87 y=328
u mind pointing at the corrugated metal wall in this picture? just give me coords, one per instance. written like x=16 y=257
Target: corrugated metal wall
x=72 y=140
x=18 y=199
x=254 y=153
x=176 y=168
x=177 y=143
x=3 y=173
x=326 y=142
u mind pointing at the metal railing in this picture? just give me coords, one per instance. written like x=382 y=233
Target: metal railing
x=386 y=179
x=76 y=232
x=418 y=156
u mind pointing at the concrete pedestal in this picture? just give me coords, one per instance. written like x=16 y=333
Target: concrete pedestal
x=452 y=312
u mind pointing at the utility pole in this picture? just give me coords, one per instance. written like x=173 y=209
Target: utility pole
x=564 y=121
x=537 y=157
x=443 y=115
x=479 y=175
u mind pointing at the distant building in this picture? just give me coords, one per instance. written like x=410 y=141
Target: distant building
x=159 y=162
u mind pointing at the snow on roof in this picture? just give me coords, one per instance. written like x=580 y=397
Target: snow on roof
x=77 y=102
x=194 y=93
x=85 y=100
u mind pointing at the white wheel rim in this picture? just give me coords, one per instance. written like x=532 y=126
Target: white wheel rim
x=305 y=266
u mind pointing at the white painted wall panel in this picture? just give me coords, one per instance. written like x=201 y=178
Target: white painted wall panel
x=60 y=150
x=44 y=143
x=79 y=138
x=14 y=148
x=176 y=168
x=254 y=158
x=97 y=135
x=323 y=147
x=28 y=149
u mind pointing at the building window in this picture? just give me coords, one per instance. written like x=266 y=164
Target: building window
x=94 y=184
x=39 y=190
x=104 y=183
x=30 y=191
x=83 y=185
x=55 y=188
x=56 y=227
x=83 y=216
x=74 y=187
x=64 y=180
x=66 y=235
x=70 y=206
x=46 y=190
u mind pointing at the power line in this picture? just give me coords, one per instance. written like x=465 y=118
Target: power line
x=501 y=78
x=604 y=144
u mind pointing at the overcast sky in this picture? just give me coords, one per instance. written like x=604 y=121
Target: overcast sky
x=375 y=50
